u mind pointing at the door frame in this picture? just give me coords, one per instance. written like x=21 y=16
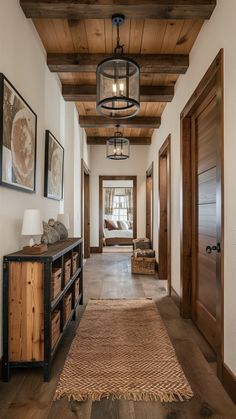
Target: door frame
x=85 y=233
x=150 y=174
x=103 y=178
x=165 y=151
x=213 y=76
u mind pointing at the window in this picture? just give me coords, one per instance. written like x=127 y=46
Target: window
x=120 y=210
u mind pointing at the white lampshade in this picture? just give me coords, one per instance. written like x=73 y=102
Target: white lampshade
x=64 y=219
x=32 y=223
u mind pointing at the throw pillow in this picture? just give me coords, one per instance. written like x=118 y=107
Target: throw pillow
x=123 y=225
x=111 y=225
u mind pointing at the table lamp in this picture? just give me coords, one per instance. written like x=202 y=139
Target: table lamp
x=32 y=226
x=64 y=219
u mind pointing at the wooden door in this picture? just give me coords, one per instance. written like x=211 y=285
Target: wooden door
x=86 y=216
x=163 y=251
x=85 y=208
x=149 y=203
x=205 y=246
x=164 y=245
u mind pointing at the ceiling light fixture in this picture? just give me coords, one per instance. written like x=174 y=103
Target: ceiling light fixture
x=118 y=81
x=118 y=147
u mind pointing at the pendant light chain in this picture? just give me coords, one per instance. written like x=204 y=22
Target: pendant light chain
x=118 y=46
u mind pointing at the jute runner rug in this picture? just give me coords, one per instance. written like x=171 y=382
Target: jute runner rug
x=122 y=350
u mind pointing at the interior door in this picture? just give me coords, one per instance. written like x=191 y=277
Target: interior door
x=207 y=193
x=149 y=214
x=86 y=216
x=163 y=221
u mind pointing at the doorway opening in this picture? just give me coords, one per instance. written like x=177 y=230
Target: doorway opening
x=164 y=241
x=149 y=203
x=117 y=213
x=85 y=210
x=202 y=208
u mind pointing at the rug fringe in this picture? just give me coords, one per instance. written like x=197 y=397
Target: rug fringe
x=179 y=396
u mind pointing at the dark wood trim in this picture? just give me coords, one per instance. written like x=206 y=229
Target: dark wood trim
x=95 y=249
x=133 y=140
x=229 y=382
x=150 y=174
x=149 y=63
x=175 y=296
x=165 y=152
x=107 y=177
x=87 y=93
x=141 y=9
x=85 y=233
x=214 y=76
x=104 y=122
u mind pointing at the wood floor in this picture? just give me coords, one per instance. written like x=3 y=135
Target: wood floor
x=26 y=396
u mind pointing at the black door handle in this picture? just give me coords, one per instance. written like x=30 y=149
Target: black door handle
x=210 y=249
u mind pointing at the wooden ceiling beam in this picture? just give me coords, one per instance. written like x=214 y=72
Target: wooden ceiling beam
x=140 y=9
x=132 y=140
x=149 y=63
x=83 y=93
x=135 y=122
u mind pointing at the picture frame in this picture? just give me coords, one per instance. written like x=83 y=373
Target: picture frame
x=18 y=139
x=54 y=168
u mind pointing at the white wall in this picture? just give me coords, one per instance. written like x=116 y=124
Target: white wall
x=23 y=62
x=217 y=33
x=136 y=165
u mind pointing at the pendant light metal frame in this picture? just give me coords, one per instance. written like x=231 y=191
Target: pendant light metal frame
x=118 y=142
x=111 y=70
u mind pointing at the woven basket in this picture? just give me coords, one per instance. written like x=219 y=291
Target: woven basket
x=141 y=244
x=145 y=266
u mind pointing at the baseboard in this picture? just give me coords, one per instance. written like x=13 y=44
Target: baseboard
x=95 y=249
x=175 y=297
x=229 y=382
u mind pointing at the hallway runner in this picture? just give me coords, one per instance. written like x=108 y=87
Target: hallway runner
x=122 y=350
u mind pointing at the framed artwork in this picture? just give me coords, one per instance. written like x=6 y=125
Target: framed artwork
x=54 y=168
x=18 y=139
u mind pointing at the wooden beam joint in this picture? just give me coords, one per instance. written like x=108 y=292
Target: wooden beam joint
x=149 y=63
x=140 y=9
x=87 y=93
x=135 y=122
x=133 y=140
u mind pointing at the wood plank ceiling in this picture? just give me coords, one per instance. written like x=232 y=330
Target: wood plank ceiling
x=77 y=35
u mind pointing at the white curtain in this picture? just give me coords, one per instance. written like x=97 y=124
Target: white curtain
x=129 y=202
x=109 y=200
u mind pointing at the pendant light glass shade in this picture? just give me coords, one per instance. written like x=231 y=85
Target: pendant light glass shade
x=118 y=147
x=118 y=80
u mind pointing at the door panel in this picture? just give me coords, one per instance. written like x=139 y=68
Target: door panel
x=204 y=123
x=149 y=207
x=206 y=186
x=163 y=233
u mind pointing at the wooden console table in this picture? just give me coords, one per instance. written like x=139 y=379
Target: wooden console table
x=34 y=318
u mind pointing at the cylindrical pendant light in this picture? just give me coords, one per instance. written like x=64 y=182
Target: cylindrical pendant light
x=118 y=147
x=118 y=80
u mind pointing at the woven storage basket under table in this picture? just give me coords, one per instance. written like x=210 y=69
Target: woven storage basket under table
x=67 y=270
x=67 y=306
x=75 y=260
x=55 y=333
x=143 y=266
x=77 y=289
x=56 y=282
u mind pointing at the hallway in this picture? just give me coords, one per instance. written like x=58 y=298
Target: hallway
x=26 y=396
